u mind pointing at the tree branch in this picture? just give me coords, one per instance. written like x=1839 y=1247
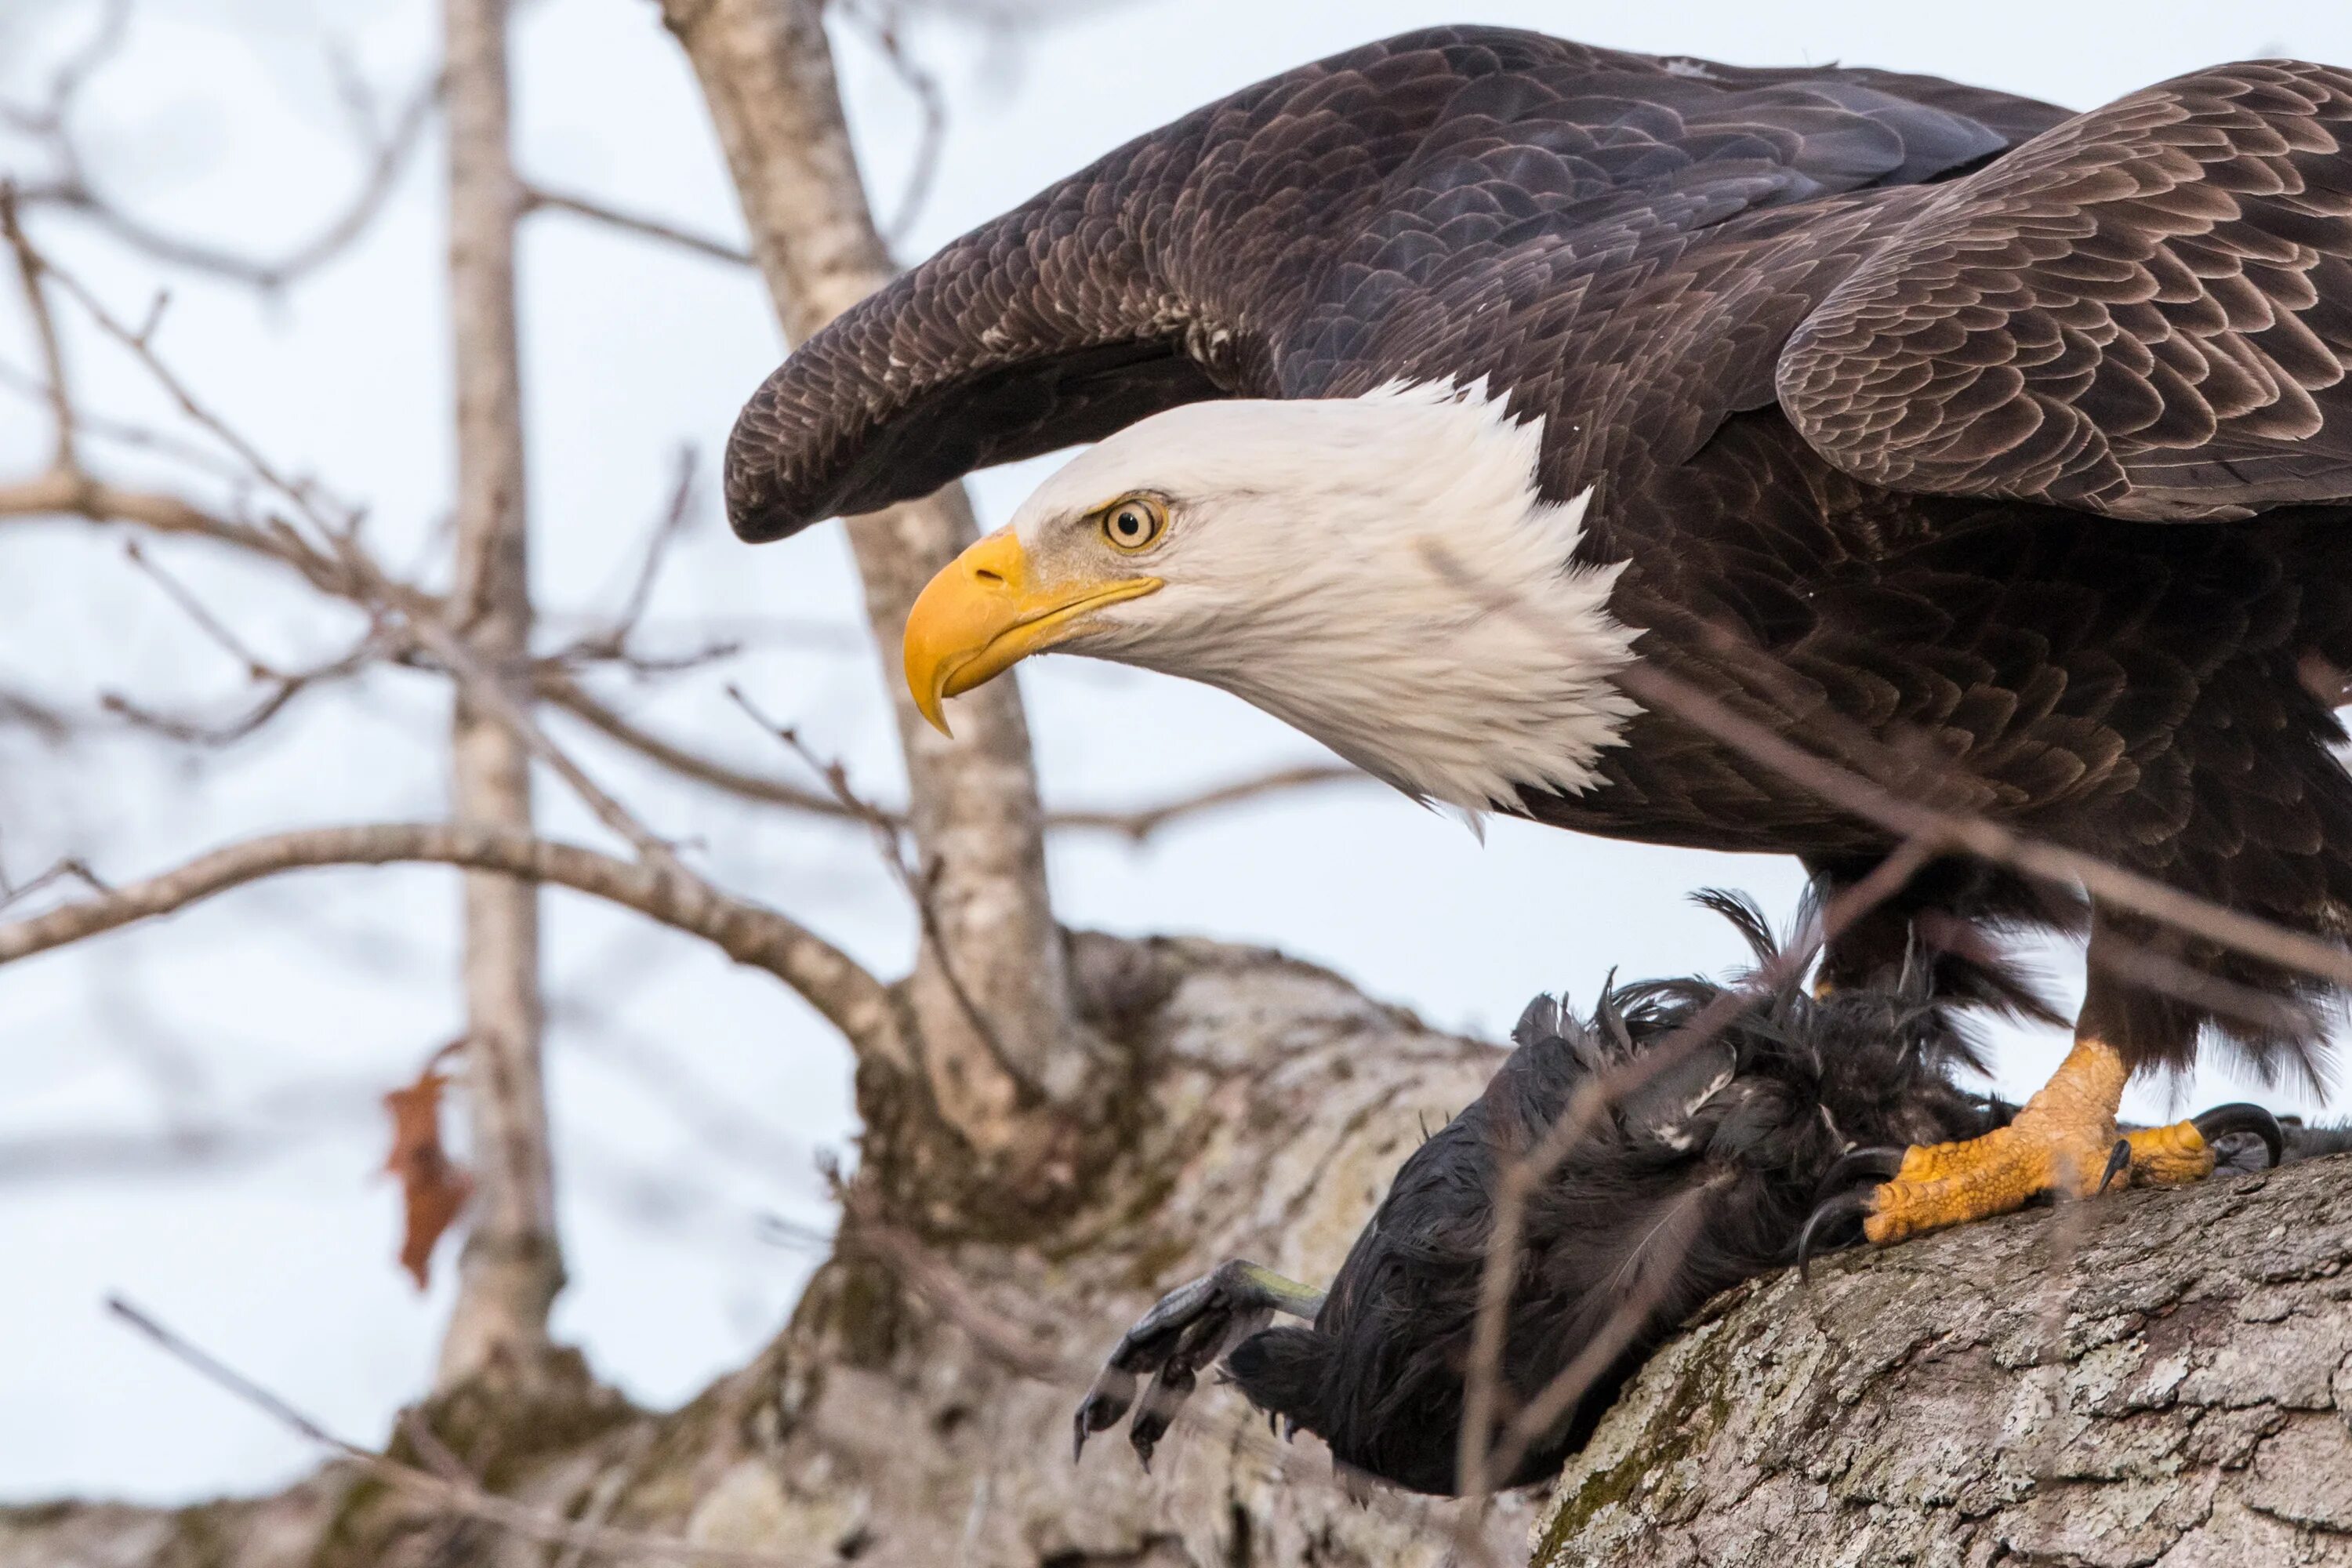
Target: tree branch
x=75 y=193
x=1136 y=824
x=44 y=330
x=752 y=935
x=542 y=198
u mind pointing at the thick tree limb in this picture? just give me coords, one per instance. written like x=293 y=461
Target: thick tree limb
x=749 y=933
x=2179 y=1391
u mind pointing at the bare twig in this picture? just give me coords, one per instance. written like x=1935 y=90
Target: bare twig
x=541 y=198
x=68 y=870
x=1674 y=1238
x=916 y=884
x=610 y=640
x=1987 y=841
x=1139 y=824
x=455 y=1493
x=74 y=193
x=1021 y=1348
x=882 y=26
x=30 y=270
x=1519 y=1178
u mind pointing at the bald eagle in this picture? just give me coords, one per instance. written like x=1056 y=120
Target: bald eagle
x=1437 y=385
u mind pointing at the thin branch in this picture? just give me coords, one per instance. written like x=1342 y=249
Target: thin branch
x=69 y=869
x=1985 y=839
x=1020 y=1348
x=285 y=686
x=918 y=885
x=486 y=690
x=457 y=1493
x=918 y=80
x=50 y=725
x=610 y=640
x=541 y=198
x=750 y=933
x=122 y=432
x=29 y=271
x=1961 y=832
x=1139 y=824
x=1680 y=1229
x=73 y=494
x=386 y=160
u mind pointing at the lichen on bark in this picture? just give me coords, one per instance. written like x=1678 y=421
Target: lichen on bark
x=2153 y=1378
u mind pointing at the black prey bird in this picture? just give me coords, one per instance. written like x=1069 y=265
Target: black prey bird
x=1700 y=1177
x=1461 y=398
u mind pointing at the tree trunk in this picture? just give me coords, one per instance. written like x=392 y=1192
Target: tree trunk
x=512 y=1264
x=2174 y=1386
x=2178 y=1393
x=766 y=74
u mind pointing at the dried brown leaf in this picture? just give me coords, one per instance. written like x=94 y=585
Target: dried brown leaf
x=432 y=1186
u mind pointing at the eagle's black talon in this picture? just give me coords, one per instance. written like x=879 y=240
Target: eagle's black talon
x=2119 y=1159
x=1852 y=1204
x=2252 y=1121
x=1879 y=1164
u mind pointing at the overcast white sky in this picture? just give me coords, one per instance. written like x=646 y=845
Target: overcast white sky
x=291 y=1006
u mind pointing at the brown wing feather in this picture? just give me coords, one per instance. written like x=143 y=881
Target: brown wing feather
x=2145 y=312
x=1310 y=235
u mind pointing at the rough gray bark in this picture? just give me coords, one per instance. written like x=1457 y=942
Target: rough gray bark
x=766 y=74
x=512 y=1264
x=2180 y=1395
x=2174 y=1388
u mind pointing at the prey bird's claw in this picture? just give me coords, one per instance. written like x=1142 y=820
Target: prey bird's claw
x=2252 y=1121
x=1188 y=1329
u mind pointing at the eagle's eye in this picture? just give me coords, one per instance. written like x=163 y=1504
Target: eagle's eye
x=1135 y=523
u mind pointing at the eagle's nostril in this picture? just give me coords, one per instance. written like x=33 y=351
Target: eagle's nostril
x=982 y=576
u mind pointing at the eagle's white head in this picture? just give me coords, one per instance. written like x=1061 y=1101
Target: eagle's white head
x=1378 y=570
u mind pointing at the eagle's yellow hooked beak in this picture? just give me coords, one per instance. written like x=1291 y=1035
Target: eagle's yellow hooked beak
x=983 y=614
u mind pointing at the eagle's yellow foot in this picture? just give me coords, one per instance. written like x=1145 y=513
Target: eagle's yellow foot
x=2064 y=1142
x=2186 y=1152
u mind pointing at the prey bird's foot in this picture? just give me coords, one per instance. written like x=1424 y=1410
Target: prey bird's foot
x=1191 y=1327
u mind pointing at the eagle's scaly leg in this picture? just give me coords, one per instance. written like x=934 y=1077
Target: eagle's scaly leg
x=2059 y=1143
x=2064 y=1142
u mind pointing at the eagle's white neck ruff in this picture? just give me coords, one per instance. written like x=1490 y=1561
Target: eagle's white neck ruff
x=1379 y=571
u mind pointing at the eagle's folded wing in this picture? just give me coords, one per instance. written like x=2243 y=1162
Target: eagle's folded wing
x=1264 y=244
x=2145 y=312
